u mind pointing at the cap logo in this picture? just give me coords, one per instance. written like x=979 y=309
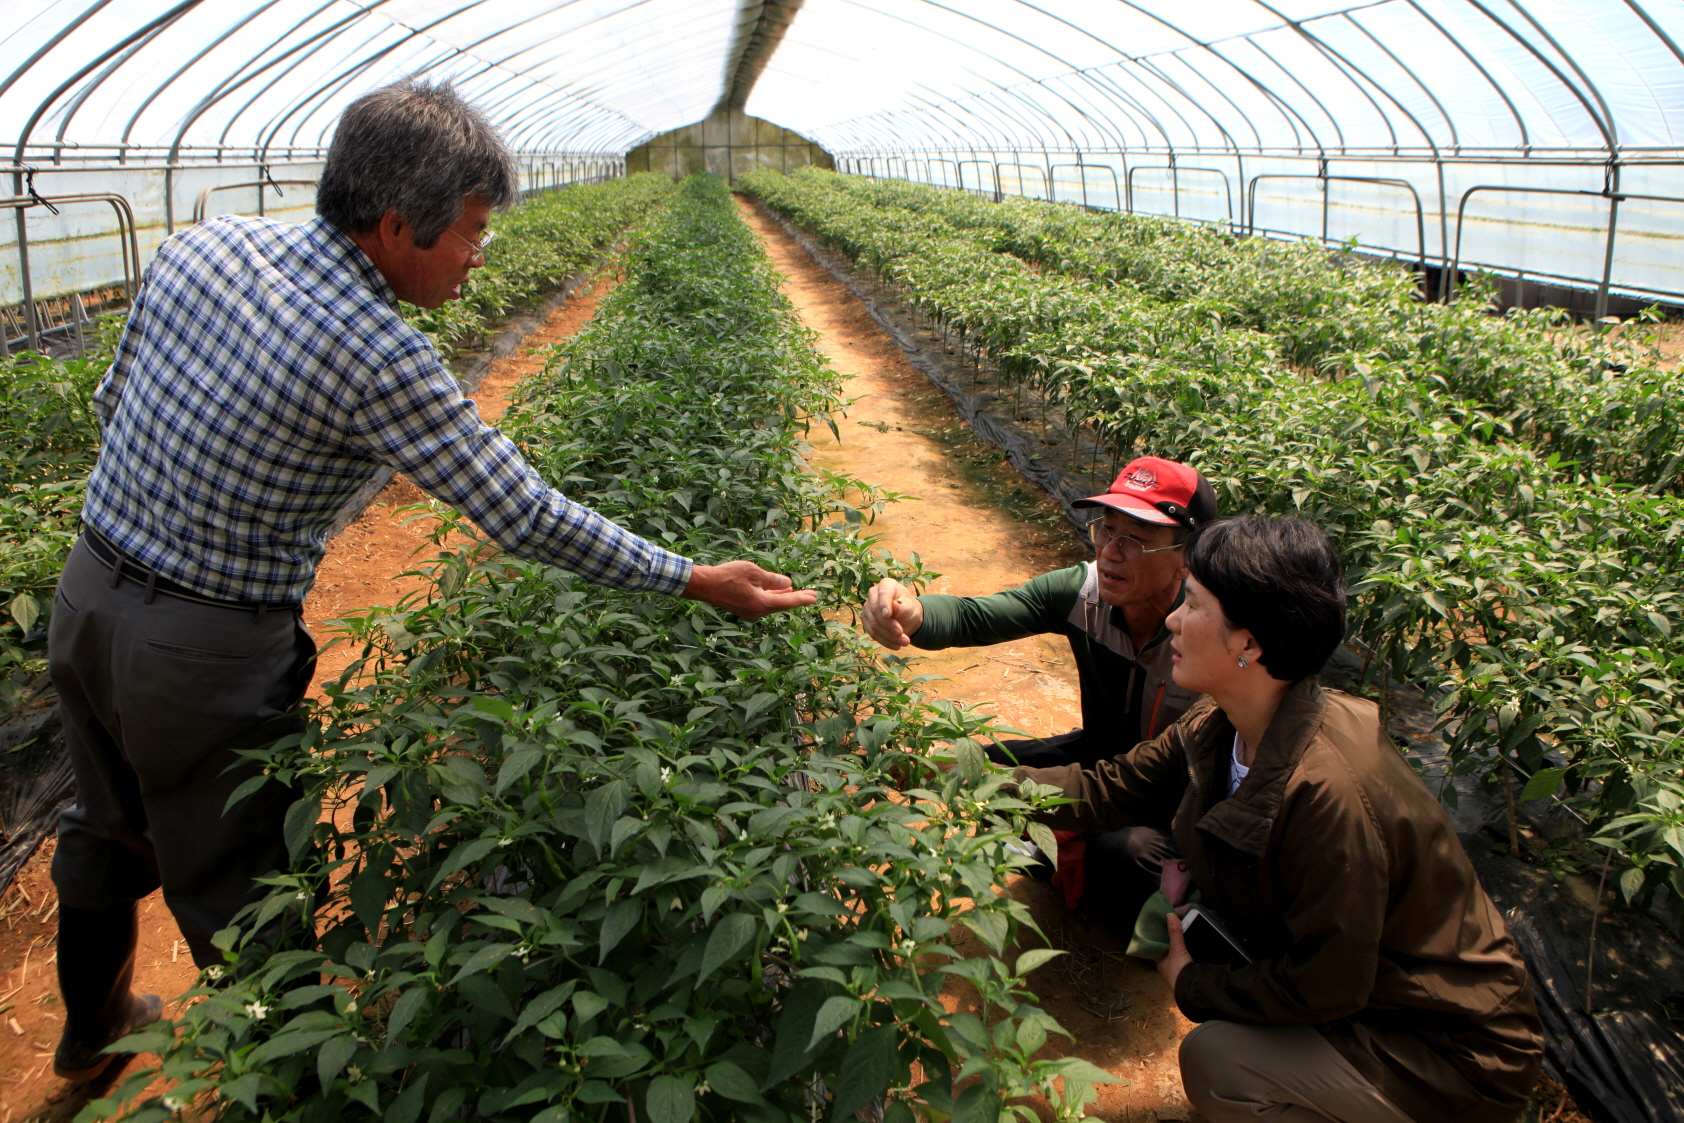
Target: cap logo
x=1141 y=479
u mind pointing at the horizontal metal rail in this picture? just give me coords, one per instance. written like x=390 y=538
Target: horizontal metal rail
x=1614 y=197
x=1175 y=188
x=128 y=244
x=202 y=203
x=1420 y=214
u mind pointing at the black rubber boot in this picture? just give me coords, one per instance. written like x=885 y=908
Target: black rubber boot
x=96 y=950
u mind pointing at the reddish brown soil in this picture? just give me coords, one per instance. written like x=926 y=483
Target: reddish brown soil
x=362 y=569
x=901 y=434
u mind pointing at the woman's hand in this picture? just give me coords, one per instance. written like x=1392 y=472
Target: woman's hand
x=1173 y=960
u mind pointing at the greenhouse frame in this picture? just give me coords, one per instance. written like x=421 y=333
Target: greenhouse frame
x=532 y=530
x=1541 y=141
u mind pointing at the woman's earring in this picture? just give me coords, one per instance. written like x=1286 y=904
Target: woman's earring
x=1242 y=662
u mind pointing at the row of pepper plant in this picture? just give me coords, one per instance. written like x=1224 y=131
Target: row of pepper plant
x=1503 y=488
x=49 y=435
x=540 y=244
x=577 y=854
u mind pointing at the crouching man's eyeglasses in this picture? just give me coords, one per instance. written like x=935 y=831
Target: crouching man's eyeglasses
x=1132 y=548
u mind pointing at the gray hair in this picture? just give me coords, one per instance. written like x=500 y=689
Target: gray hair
x=418 y=149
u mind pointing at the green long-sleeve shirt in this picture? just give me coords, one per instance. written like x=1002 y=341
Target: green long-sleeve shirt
x=1128 y=696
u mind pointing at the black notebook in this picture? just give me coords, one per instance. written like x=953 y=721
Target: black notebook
x=1208 y=942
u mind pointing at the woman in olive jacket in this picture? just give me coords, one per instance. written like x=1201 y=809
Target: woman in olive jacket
x=1383 y=984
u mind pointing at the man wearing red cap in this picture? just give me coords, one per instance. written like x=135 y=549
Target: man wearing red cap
x=1112 y=610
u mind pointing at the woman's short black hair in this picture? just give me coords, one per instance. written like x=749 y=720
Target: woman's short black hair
x=1280 y=580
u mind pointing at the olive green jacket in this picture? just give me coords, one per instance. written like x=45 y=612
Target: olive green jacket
x=1336 y=867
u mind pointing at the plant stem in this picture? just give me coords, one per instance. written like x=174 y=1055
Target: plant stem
x=1595 y=915
x=1508 y=803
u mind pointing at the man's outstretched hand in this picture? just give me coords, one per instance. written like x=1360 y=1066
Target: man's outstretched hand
x=892 y=614
x=745 y=589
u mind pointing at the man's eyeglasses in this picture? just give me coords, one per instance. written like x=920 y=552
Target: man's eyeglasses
x=1132 y=548
x=479 y=246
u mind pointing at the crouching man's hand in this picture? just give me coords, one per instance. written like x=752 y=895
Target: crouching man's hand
x=743 y=588
x=892 y=614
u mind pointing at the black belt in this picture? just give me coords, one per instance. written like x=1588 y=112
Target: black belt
x=121 y=566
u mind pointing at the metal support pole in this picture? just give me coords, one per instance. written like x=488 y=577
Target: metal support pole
x=1613 y=188
x=79 y=318
x=169 y=201
x=31 y=332
x=1444 y=236
x=1321 y=172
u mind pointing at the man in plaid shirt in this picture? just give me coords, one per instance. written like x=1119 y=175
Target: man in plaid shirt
x=263 y=377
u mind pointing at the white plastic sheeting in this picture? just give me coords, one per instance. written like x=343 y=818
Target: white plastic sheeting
x=592 y=75
x=1275 y=115
x=1485 y=133
x=1421 y=76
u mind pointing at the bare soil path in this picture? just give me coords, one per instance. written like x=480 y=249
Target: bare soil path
x=363 y=569
x=901 y=434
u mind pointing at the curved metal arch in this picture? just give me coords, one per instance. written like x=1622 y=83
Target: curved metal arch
x=1100 y=78
x=1121 y=54
x=992 y=128
x=571 y=113
x=97 y=80
x=1088 y=87
x=1338 y=129
x=934 y=102
x=1022 y=94
x=1449 y=121
x=1613 y=130
x=1131 y=98
x=1154 y=68
x=231 y=82
x=323 y=43
x=1024 y=75
x=44 y=49
x=505 y=60
x=325 y=93
x=1069 y=66
x=889 y=116
x=1133 y=101
x=163 y=20
x=593 y=138
x=273 y=125
x=1339 y=62
x=1033 y=117
x=1660 y=32
x=1496 y=86
x=939 y=111
x=1602 y=126
x=1294 y=119
x=537 y=112
x=234 y=29
x=1245 y=73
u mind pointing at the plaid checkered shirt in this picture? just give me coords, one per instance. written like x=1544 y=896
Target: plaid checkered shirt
x=263 y=377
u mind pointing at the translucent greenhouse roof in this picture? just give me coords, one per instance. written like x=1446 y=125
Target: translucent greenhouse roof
x=1310 y=76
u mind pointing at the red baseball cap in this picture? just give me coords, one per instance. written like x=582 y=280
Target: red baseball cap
x=1159 y=491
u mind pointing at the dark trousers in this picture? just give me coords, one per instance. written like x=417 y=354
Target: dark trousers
x=158 y=696
x=1120 y=868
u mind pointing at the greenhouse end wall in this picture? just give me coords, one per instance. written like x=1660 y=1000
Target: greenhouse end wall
x=728 y=143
